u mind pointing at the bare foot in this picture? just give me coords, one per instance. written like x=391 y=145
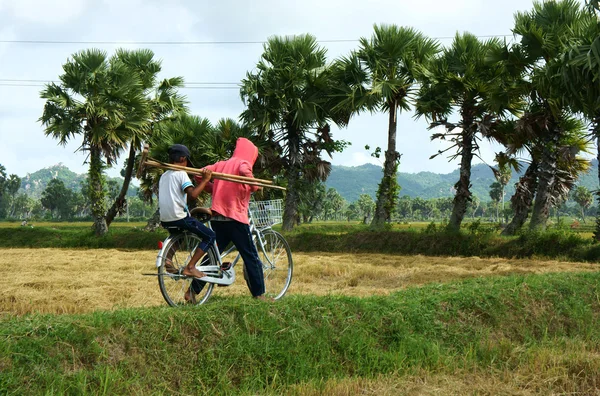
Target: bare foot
x=190 y=296
x=193 y=272
x=263 y=298
x=169 y=267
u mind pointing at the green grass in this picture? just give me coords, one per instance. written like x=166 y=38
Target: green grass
x=474 y=240
x=426 y=239
x=69 y=224
x=76 y=235
x=238 y=345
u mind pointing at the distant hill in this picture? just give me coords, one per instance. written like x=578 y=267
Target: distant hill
x=33 y=184
x=351 y=181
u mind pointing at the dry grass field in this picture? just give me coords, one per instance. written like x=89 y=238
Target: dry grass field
x=77 y=281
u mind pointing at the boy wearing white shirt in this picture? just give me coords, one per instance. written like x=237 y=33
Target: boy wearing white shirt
x=174 y=190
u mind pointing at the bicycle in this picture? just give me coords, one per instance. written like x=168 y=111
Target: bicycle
x=177 y=249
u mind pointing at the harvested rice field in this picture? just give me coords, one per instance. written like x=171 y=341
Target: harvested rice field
x=77 y=281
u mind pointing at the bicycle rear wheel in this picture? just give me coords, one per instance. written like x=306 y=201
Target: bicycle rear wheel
x=277 y=263
x=173 y=285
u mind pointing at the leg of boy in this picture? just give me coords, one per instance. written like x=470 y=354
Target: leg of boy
x=207 y=235
x=242 y=239
x=223 y=241
x=170 y=267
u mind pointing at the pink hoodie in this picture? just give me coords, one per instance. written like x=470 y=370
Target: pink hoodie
x=231 y=199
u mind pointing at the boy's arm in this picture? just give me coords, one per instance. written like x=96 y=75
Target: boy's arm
x=193 y=192
x=209 y=185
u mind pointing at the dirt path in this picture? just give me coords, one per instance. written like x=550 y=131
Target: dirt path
x=73 y=281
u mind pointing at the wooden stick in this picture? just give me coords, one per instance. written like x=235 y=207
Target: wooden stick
x=222 y=176
x=216 y=175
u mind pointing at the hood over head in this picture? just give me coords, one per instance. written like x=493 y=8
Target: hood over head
x=245 y=150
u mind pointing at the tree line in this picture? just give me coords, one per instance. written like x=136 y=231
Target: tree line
x=536 y=96
x=58 y=202
x=317 y=202
x=322 y=204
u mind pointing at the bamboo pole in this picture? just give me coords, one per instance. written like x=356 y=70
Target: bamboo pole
x=215 y=175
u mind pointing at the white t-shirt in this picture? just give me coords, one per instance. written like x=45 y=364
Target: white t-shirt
x=172 y=199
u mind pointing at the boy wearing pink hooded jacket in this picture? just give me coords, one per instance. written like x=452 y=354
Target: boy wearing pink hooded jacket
x=230 y=212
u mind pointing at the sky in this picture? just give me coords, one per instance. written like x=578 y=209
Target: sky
x=24 y=148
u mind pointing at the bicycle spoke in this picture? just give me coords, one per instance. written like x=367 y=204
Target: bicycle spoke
x=277 y=264
x=174 y=286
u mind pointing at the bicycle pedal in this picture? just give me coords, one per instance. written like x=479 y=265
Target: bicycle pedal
x=225 y=266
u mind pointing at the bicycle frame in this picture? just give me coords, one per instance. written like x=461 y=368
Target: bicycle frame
x=229 y=275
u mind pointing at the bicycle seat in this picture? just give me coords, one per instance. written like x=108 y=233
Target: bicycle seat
x=202 y=214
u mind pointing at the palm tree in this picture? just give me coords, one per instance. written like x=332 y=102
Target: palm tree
x=333 y=203
x=289 y=101
x=545 y=34
x=528 y=136
x=584 y=199
x=579 y=73
x=312 y=200
x=365 y=205
x=164 y=102
x=2 y=180
x=522 y=199
x=111 y=103
x=13 y=183
x=461 y=80
x=103 y=101
x=381 y=76
x=518 y=140
x=503 y=175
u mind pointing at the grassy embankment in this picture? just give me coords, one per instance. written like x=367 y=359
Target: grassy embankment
x=517 y=334
x=419 y=238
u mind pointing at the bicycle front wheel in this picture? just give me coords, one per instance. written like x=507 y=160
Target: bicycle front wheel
x=173 y=284
x=276 y=258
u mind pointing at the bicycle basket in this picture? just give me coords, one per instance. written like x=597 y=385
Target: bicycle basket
x=266 y=213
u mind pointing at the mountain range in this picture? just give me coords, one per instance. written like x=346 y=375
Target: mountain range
x=352 y=181
x=349 y=181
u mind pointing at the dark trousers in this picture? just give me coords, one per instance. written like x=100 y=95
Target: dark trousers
x=239 y=234
x=192 y=224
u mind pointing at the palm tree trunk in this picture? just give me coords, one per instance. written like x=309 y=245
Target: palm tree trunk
x=522 y=200
x=543 y=195
x=388 y=188
x=463 y=193
x=502 y=207
x=291 y=200
x=97 y=194
x=597 y=133
x=119 y=205
x=292 y=196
